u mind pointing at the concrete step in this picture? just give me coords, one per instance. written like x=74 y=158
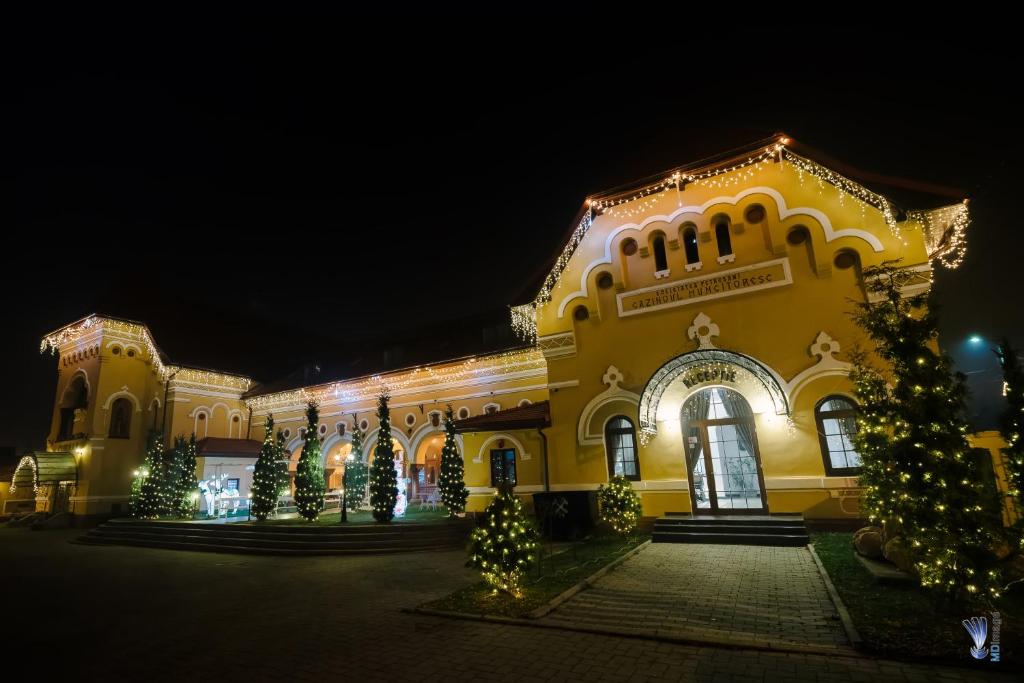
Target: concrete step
x=292 y=552
x=772 y=539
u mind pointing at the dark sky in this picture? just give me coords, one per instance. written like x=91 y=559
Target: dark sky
x=264 y=191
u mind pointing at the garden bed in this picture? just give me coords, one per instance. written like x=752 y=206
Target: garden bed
x=560 y=569
x=902 y=620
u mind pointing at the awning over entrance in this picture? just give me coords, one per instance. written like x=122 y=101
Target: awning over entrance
x=41 y=468
x=703 y=366
x=533 y=416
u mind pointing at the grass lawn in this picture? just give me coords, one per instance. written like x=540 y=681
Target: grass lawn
x=555 y=574
x=903 y=621
x=412 y=515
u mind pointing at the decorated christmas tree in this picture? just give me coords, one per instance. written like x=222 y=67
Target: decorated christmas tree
x=383 y=478
x=186 y=491
x=922 y=485
x=150 y=503
x=265 y=484
x=356 y=472
x=309 y=474
x=1012 y=428
x=504 y=547
x=620 y=506
x=451 y=484
x=284 y=477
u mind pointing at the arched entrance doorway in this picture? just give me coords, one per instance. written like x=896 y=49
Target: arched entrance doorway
x=723 y=464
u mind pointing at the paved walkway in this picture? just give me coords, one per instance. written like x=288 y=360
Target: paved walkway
x=138 y=614
x=727 y=593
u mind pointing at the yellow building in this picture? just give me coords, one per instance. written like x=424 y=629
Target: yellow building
x=692 y=336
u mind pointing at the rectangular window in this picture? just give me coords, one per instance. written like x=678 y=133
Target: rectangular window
x=231 y=485
x=503 y=466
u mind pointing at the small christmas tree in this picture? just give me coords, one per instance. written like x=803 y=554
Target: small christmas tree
x=356 y=472
x=383 y=478
x=620 y=506
x=503 y=547
x=150 y=502
x=310 y=485
x=265 y=485
x=1012 y=428
x=920 y=480
x=284 y=477
x=452 y=483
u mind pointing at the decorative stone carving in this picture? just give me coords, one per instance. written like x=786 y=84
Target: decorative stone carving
x=592 y=434
x=612 y=377
x=824 y=347
x=703 y=330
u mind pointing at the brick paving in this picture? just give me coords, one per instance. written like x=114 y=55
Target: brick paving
x=134 y=614
x=722 y=592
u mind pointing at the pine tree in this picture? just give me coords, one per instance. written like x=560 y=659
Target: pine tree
x=186 y=491
x=452 y=483
x=265 y=484
x=503 y=547
x=620 y=506
x=150 y=503
x=356 y=472
x=1012 y=428
x=310 y=485
x=284 y=477
x=921 y=482
x=383 y=478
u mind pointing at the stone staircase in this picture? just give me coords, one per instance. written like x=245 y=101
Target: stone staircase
x=776 y=530
x=355 y=539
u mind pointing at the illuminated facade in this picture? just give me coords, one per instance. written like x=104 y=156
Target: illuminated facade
x=691 y=336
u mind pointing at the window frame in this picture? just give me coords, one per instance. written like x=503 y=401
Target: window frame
x=503 y=453
x=723 y=238
x=686 y=246
x=609 y=454
x=119 y=405
x=660 y=252
x=826 y=453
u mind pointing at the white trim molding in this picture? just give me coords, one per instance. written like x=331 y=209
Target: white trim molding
x=523 y=455
x=780 y=203
x=612 y=378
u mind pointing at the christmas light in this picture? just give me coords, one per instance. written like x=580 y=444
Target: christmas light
x=504 y=546
x=620 y=505
x=383 y=478
x=310 y=486
x=452 y=485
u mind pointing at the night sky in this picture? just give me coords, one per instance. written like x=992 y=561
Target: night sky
x=268 y=192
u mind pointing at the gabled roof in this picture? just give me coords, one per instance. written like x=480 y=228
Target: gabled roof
x=531 y=416
x=891 y=195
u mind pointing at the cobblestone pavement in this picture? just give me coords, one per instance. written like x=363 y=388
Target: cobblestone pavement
x=725 y=592
x=131 y=614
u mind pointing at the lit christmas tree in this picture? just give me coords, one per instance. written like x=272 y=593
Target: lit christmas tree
x=1012 y=426
x=921 y=482
x=186 y=491
x=452 y=483
x=504 y=547
x=265 y=484
x=309 y=474
x=284 y=477
x=383 y=478
x=620 y=506
x=150 y=501
x=356 y=472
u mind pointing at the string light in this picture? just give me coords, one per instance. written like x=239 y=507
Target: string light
x=503 y=547
x=641 y=201
x=409 y=381
x=620 y=505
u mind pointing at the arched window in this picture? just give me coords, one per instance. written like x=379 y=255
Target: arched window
x=120 y=419
x=837 y=423
x=76 y=397
x=690 y=245
x=620 y=444
x=723 y=238
x=660 y=257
